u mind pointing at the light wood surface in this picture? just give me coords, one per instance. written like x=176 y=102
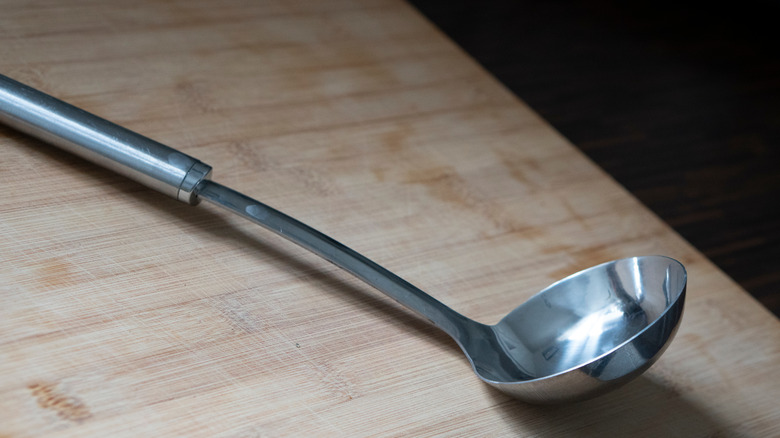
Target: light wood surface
x=125 y=313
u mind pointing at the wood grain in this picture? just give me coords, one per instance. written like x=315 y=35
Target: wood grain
x=124 y=313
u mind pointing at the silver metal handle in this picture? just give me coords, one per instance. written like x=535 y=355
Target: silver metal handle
x=185 y=178
x=109 y=145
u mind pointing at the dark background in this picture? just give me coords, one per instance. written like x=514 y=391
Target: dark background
x=679 y=103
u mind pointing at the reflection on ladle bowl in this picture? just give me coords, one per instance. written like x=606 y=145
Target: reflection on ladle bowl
x=583 y=335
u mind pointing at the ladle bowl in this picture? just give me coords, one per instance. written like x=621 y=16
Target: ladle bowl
x=584 y=335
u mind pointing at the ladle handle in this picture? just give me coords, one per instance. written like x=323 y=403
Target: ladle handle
x=104 y=143
x=180 y=176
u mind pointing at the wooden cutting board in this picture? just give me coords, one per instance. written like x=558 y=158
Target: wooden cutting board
x=124 y=313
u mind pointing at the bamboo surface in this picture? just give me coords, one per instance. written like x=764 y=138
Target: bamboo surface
x=125 y=313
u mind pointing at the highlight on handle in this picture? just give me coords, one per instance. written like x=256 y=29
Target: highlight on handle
x=139 y=158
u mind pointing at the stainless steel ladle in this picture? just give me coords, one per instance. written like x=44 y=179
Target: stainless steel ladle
x=580 y=337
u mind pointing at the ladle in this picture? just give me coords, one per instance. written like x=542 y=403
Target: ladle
x=580 y=337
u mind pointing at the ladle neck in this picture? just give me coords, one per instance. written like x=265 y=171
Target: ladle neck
x=331 y=250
